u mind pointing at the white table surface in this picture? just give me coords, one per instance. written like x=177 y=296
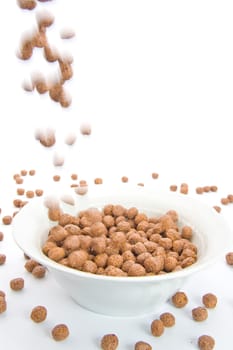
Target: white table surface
x=154 y=80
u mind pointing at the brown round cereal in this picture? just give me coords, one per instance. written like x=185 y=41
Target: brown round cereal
x=157 y=328
x=60 y=332
x=124 y=179
x=213 y=188
x=199 y=313
x=46 y=137
x=17 y=284
x=2 y=259
x=38 y=314
x=206 y=342
x=56 y=178
x=109 y=342
x=39 y=271
x=30 y=264
x=85 y=129
x=1 y=236
x=3 y=304
x=179 y=299
x=155 y=175
x=168 y=319
x=27 y=4
x=199 y=190
x=77 y=258
x=30 y=194
x=225 y=201
x=229 y=258
x=173 y=188
x=184 y=188
x=141 y=345
x=98 y=181
x=209 y=300
x=7 y=220
x=217 y=208
x=39 y=192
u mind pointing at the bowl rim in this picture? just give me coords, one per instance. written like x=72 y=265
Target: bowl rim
x=41 y=258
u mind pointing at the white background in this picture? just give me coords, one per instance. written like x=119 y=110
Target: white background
x=154 y=80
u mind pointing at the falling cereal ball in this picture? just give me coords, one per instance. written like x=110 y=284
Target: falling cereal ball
x=109 y=342
x=44 y=19
x=27 y=4
x=60 y=332
x=70 y=139
x=46 y=137
x=81 y=190
x=27 y=86
x=85 y=129
x=67 y=33
x=58 y=159
x=206 y=342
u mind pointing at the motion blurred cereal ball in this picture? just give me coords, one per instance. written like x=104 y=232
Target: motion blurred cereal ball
x=85 y=129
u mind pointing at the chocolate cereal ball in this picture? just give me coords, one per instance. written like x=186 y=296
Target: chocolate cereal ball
x=209 y=300
x=206 y=342
x=60 y=332
x=38 y=314
x=157 y=328
x=168 y=319
x=199 y=313
x=141 y=345
x=109 y=342
x=179 y=299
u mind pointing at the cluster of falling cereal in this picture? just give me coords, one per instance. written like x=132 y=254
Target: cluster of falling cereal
x=39 y=39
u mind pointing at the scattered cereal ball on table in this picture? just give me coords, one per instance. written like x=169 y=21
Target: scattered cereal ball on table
x=98 y=181
x=199 y=313
x=30 y=264
x=206 y=342
x=229 y=258
x=17 y=284
x=7 y=220
x=39 y=271
x=154 y=176
x=30 y=194
x=39 y=192
x=225 y=201
x=141 y=345
x=209 y=300
x=3 y=304
x=217 y=208
x=60 y=332
x=179 y=299
x=1 y=236
x=168 y=319
x=38 y=314
x=157 y=328
x=173 y=188
x=124 y=179
x=184 y=188
x=109 y=342
x=27 y=4
x=2 y=259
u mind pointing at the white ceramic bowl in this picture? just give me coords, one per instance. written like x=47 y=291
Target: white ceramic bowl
x=125 y=296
